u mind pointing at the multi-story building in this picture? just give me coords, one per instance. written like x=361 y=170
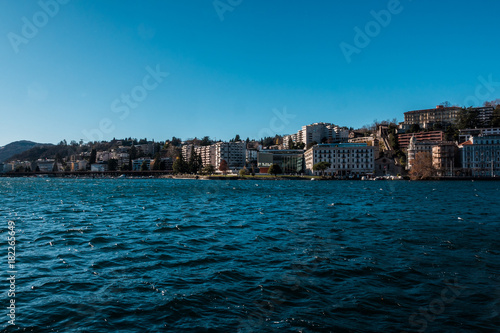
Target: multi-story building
x=46 y=165
x=251 y=156
x=319 y=133
x=481 y=156
x=207 y=153
x=234 y=153
x=428 y=117
x=291 y=161
x=467 y=134
x=404 y=139
x=346 y=159
x=445 y=158
x=444 y=115
x=444 y=154
x=485 y=114
x=137 y=164
x=78 y=165
x=99 y=167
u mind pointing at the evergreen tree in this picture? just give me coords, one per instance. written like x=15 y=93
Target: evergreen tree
x=275 y=169
x=93 y=156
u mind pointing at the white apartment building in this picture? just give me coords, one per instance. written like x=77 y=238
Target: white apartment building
x=319 y=133
x=234 y=153
x=344 y=158
x=481 y=156
x=207 y=153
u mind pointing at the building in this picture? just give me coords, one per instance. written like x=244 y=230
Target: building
x=445 y=158
x=251 y=156
x=346 y=159
x=234 y=153
x=428 y=117
x=318 y=133
x=445 y=115
x=485 y=114
x=467 y=134
x=444 y=154
x=99 y=167
x=78 y=165
x=207 y=154
x=404 y=139
x=481 y=156
x=291 y=161
x=46 y=165
x=137 y=164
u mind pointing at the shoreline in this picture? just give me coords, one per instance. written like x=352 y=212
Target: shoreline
x=165 y=175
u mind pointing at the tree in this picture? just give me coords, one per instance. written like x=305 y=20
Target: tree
x=195 y=163
x=157 y=162
x=93 y=156
x=237 y=138
x=133 y=152
x=144 y=165
x=495 y=119
x=223 y=167
x=275 y=169
x=415 y=128
x=321 y=166
x=112 y=164
x=209 y=169
x=468 y=118
x=243 y=172
x=205 y=141
x=422 y=167
x=175 y=141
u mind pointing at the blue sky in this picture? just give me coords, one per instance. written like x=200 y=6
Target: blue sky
x=67 y=79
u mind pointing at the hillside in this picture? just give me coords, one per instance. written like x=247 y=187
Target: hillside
x=15 y=148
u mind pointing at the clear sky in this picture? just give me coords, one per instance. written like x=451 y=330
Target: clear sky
x=82 y=69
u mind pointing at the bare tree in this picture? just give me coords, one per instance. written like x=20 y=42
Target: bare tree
x=422 y=167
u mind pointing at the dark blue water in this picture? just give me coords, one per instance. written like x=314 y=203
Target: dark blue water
x=252 y=256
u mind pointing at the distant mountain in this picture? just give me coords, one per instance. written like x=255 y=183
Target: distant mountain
x=15 y=148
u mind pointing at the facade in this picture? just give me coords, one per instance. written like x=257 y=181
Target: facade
x=444 y=154
x=467 y=134
x=427 y=118
x=207 y=153
x=45 y=165
x=137 y=164
x=481 y=156
x=99 y=167
x=78 y=166
x=319 y=133
x=485 y=114
x=291 y=161
x=404 y=139
x=346 y=159
x=234 y=153
x=251 y=156
x=444 y=115
x=445 y=158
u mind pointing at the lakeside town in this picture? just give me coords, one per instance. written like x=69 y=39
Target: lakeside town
x=446 y=142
